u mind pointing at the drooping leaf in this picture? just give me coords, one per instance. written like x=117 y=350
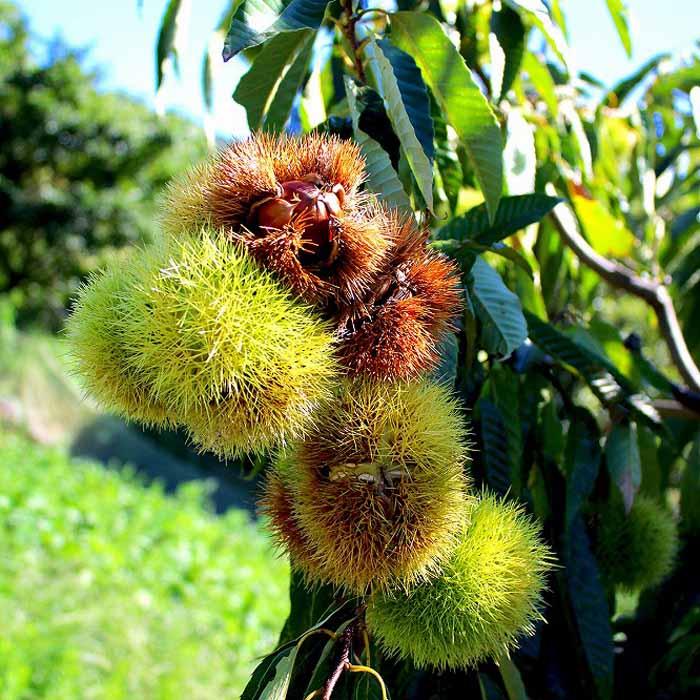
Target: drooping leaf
x=505 y=392
x=169 y=36
x=399 y=82
x=620 y=17
x=381 y=176
x=624 y=462
x=495 y=447
x=265 y=672
x=513 y=214
x=507 y=41
x=582 y=461
x=590 y=607
x=268 y=89
x=255 y=21
x=446 y=371
x=503 y=325
x=465 y=107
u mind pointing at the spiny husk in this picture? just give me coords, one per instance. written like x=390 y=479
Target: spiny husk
x=99 y=332
x=224 y=192
x=277 y=503
x=488 y=595
x=396 y=330
x=636 y=550
x=225 y=348
x=380 y=484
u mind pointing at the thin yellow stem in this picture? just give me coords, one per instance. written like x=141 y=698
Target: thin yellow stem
x=371 y=671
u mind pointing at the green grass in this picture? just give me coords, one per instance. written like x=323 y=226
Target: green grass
x=111 y=589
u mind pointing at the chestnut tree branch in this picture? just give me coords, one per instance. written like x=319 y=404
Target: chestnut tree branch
x=653 y=292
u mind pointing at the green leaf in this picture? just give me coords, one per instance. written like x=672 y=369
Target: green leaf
x=619 y=92
x=381 y=176
x=512 y=680
x=619 y=13
x=624 y=462
x=582 y=461
x=398 y=81
x=504 y=327
x=277 y=687
x=465 y=107
x=252 y=15
x=542 y=81
x=543 y=21
x=497 y=464
x=590 y=607
x=308 y=605
x=608 y=236
x=167 y=46
x=268 y=89
x=265 y=672
x=446 y=371
x=507 y=42
x=513 y=214
x=690 y=490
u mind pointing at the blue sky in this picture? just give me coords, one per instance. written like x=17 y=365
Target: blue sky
x=122 y=40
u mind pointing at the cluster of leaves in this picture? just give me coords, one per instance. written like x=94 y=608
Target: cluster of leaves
x=111 y=589
x=459 y=118
x=80 y=170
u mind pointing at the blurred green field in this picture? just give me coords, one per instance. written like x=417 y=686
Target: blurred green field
x=109 y=588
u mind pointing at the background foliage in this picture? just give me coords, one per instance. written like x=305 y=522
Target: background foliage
x=80 y=170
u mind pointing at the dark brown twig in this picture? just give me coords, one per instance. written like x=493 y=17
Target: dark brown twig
x=348 y=27
x=651 y=291
x=341 y=663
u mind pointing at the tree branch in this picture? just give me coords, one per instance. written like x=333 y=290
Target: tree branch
x=651 y=291
x=342 y=663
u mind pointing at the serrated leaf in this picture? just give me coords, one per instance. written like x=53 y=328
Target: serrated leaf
x=399 y=82
x=381 y=176
x=620 y=17
x=465 y=107
x=582 y=461
x=255 y=21
x=590 y=607
x=503 y=325
x=268 y=89
x=513 y=214
x=507 y=42
x=624 y=462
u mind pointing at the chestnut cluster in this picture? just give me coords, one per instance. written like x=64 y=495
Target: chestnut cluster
x=297 y=205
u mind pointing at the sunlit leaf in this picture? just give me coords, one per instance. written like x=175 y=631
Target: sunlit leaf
x=507 y=42
x=620 y=17
x=608 y=236
x=268 y=89
x=255 y=21
x=503 y=325
x=399 y=82
x=465 y=107
x=381 y=176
